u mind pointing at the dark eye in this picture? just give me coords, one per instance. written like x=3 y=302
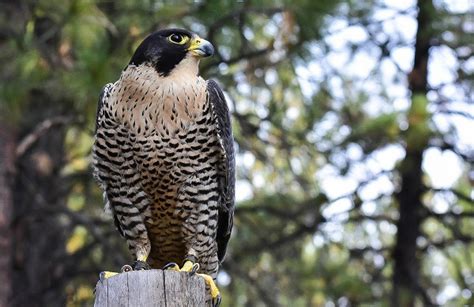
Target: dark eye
x=178 y=39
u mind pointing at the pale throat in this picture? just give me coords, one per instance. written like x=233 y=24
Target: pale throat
x=145 y=77
x=188 y=67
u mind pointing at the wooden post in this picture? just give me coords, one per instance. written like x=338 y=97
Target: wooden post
x=149 y=288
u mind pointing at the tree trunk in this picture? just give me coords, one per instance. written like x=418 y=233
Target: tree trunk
x=7 y=146
x=39 y=191
x=152 y=288
x=407 y=285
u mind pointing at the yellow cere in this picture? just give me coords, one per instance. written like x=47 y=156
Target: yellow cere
x=195 y=43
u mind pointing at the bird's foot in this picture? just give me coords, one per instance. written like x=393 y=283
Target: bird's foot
x=137 y=265
x=173 y=266
x=140 y=265
x=188 y=266
x=107 y=274
x=215 y=293
x=192 y=268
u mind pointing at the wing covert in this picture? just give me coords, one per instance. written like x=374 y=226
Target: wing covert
x=227 y=165
x=104 y=95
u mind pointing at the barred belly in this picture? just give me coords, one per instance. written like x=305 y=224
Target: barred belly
x=179 y=175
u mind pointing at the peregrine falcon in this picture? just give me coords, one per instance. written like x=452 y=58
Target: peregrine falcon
x=164 y=157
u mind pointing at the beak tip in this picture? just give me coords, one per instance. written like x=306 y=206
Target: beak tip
x=208 y=50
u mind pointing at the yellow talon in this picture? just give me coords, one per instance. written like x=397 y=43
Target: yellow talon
x=106 y=274
x=142 y=258
x=187 y=266
x=192 y=268
x=215 y=293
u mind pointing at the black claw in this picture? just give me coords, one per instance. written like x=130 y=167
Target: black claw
x=169 y=265
x=126 y=268
x=140 y=265
x=194 y=269
x=217 y=301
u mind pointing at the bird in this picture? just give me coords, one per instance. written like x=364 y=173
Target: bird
x=164 y=157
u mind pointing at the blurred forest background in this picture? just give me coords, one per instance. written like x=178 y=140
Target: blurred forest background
x=354 y=125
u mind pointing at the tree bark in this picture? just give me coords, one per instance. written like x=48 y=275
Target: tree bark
x=152 y=288
x=407 y=284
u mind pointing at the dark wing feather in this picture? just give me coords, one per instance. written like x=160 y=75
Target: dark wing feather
x=227 y=167
x=104 y=94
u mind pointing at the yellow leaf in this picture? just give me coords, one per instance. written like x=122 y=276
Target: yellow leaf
x=77 y=240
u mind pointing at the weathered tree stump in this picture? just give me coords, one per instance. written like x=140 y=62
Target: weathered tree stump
x=152 y=288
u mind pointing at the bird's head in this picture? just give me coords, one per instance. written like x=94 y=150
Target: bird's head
x=166 y=49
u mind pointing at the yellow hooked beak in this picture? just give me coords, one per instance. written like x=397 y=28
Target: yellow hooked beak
x=200 y=47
